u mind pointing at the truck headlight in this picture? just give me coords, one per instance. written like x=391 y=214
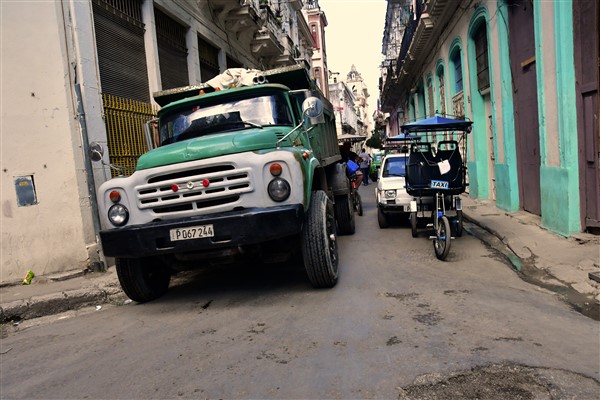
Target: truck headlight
x=279 y=189
x=118 y=215
x=390 y=194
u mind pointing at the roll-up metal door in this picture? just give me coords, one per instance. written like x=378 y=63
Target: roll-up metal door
x=120 y=46
x=172 y=51
x=209 y=60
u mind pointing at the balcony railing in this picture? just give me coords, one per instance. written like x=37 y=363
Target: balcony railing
x=268 y=39
x=458 y=105
x=409 y=32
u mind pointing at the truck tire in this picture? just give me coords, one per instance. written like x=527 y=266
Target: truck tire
x=142 y=279
x=344 y=214
x=319 y=243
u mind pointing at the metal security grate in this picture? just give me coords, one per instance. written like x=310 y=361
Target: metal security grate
x=125 y=120
x=120 y=46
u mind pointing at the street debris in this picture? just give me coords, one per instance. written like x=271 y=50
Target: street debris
x=28 y=277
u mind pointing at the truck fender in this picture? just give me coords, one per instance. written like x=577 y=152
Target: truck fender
x=338 y=180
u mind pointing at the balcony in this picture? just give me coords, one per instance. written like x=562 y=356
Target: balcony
x=289 y=51
x=236 y=15
x=242 y=19
x=266 y=41
x=296 y=5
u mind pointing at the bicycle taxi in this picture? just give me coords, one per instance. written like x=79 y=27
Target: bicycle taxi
x=436 y=174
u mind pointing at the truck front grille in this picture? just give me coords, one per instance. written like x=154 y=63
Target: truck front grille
x=201 y=188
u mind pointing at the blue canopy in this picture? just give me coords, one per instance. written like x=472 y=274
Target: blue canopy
x=437 y=123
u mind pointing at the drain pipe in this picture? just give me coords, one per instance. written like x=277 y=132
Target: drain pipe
x=96 y=265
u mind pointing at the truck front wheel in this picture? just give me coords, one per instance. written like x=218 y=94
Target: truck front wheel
x=319 y=243
x=142 y=279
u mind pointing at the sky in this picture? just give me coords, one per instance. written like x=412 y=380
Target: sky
x=354 y=35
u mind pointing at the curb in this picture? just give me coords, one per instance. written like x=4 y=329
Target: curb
x=40 y=306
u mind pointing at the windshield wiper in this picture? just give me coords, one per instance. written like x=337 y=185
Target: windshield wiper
x=195 y=131
x=254 y=124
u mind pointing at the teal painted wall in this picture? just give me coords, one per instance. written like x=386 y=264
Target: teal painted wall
x=558 y=202
x=473 y=183
x=478 y=176
x=507 y=178
x=560 y=184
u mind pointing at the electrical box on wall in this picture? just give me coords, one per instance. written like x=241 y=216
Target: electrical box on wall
x=25 y=191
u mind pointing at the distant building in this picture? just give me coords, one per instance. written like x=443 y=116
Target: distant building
x=349 y=100
x=361 y=93
x=343 y=101
x=317 y=23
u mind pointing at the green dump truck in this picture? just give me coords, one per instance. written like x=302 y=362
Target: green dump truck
x=246 y=164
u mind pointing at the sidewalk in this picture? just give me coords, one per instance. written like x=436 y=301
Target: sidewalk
x=541 y=256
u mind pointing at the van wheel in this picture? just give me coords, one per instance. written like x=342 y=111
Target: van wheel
x=344 y=214
x=142 y=279
x=382 y=219
x=319 y=243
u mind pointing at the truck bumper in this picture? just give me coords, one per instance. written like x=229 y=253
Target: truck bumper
x=231 y=229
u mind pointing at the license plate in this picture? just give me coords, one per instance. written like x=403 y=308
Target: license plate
x=439 y=184
x=192 y=232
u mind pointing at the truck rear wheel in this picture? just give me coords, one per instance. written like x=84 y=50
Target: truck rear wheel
x=344 y=214
x=142 y=279
x=319 y=243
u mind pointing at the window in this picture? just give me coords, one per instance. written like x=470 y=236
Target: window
x=315 y=35
x=481 y=57
x=442 y=91
x=209 y=60
x=317 y=76
x=231 y=63
x=172 y=51
x=458 y=81
x=430 y=97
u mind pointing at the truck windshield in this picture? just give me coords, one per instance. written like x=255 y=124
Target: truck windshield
x=254 y=112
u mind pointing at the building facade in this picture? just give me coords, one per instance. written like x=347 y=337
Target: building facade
x=522 y=72
x=343 y=101
x=361 y=93
x=317 y=22
x=77 y=72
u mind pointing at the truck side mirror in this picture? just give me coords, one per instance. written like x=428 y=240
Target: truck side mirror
x=312 y=107
x=151 y=134
x=96 y=151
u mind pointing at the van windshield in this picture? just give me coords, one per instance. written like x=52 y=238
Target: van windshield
x=395 y=167
x=237 y=114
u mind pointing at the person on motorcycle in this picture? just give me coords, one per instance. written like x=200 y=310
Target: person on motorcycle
x=351 y=159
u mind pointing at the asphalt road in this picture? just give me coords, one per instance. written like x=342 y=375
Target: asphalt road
x=399 y=323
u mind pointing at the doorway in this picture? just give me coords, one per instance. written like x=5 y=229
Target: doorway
x=586 y=38
x=522 y=61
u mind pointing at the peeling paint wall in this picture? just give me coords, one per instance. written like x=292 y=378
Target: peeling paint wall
x=40 y=138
